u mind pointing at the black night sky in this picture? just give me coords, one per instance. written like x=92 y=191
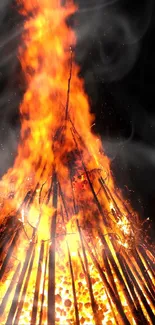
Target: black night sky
x=117 y=57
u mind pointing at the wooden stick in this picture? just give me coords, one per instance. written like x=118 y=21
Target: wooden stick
x=140 y=280
x=9 y=254
x=8 y=292
x=147 y=261
x=132 y=289
x=111 y=306
x=73 y=288
x=19 y=286
x=43 y=296
x=37 y=286
x=88 y=278
x=130 y=286
x=119 y=277
x=63 y=201
x=140 y=293
x=51 y=280
x=102 y=182
x=109 y=272
x=144 y=273
x=109 y=289
x=22 y=299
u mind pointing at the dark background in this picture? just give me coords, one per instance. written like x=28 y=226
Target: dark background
x=116 y=53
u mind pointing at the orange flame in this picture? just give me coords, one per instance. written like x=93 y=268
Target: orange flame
x=56 y=134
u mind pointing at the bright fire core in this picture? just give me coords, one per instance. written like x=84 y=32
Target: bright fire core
x=71 y=248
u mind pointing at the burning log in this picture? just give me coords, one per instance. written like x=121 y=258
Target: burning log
x=73 y=288
x=120 y=279
x=43 y=296
x=140 y=280
x=7 y=231
x=133 y=293
x=111 y=306
x=37 y=286
x=109 y=289
x=10 y=288
x=22 y=298
x=109 y=195
x=150 y=266
x=15 y=301
x=51 y=280
x=9 y=254
x=144 y=272
x=63 y=201
x=88 y=278
x=108 y=272
x=140 y=293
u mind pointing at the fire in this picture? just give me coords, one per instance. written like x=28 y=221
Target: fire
x=66 y=231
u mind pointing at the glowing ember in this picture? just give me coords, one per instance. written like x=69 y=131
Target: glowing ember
x=71 y=250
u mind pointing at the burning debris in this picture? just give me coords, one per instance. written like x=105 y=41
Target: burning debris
x=71 y=249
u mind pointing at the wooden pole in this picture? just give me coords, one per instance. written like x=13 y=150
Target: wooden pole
x=43 y=296
x=140 y=293
x=9 y=254
x=19 y=286
x=120 y=278
x=140 y=281
x=51 y=280
x=37 y=286
x=147 y=261
x=22 y=299
x=109 y=289
x=133 y=293
x=144 y=273
x=88 y=278
x=73 y=288
x=10 y=288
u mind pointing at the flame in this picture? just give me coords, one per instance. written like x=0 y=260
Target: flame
x=66 y=208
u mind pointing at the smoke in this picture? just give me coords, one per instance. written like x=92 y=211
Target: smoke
x=10 y=88
x=109 y=37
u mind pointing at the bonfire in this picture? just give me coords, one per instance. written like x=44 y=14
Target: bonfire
x=71 y=247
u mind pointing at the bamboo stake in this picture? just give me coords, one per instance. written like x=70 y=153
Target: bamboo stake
x=109 y=272
x=9 y=254
x=110 y=195
x=111 y=306
x=8 y=292
x=132 y=289
x=120 y=278
x=140 y=280
x=147 y=261
x=19 y=286
x=51 y=281
x=22 y=299
x=88 y=278
x=73 y=196
x=130 y=285
x=49 y=192
x=109 y=289
x=63 y=201
x=73 y=288
x=140 y=294
x=43 y=296
x=7 y=232
x=144 y=272
x=37 y=286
